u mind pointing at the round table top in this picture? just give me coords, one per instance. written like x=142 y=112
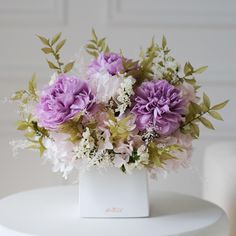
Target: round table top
x=54 y=212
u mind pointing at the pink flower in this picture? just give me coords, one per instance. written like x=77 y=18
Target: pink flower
x=188 y=93
x=183 y=158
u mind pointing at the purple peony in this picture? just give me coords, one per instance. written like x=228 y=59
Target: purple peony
x=63 y=100
x=110 y=62
x=158 y=105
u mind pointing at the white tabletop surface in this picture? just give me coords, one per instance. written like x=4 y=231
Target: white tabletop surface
x=54 y=212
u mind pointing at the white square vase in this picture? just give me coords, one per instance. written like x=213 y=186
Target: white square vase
x=111 y=193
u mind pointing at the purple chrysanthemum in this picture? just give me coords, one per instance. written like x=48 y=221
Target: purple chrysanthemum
x=63 y=100
x=111 y=62
x=158 y=105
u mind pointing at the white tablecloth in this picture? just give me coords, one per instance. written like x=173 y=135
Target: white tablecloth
x=54 y=212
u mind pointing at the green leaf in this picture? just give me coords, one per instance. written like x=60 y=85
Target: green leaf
x=196 y=108
x=43 y=40
x=17 y=95
x=91 y=46
x=101 y=42
x=47 y=50
x=206 y=101
x=52 y=66
x=164 y=42
x=195 y=130
x=220 y=105
x=188 y=69
x=215 y=115
x=200 y=70
x=55 y=38
x=30 y=134
x=93 y=53
x=94 y=36
x=206 y=123
x=22 y=125
x=68 y=67
x=32 y=86
x=60 y=45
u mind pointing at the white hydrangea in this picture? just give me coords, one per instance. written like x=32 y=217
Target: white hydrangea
x=124 y=93
x=59 y=151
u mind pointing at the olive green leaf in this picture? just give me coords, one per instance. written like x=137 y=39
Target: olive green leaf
x=206 y=101
x=200 y=70
x=215 y=115
x=43 y=40
x=68 y=67
x=55 y=38
x=206 y=123
x=52 y=66
x=60 y=45
x=220 y=105
x=46 y=50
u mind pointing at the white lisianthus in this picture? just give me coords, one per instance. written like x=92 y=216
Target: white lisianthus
x=104 y=85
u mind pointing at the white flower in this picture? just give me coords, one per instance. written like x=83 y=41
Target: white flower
x=19 y=144
x=53 y=78
x=104 y=85
x=124 y=93
x=59 y=151
x=85 y=146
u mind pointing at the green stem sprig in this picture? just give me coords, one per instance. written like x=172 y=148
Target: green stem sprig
x=196 y=114
x=53 y=47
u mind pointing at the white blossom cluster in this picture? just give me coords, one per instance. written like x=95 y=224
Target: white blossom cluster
x=19 y=144
x=124 y=93
x=163 y=63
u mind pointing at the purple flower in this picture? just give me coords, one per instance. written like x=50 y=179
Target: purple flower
x=110 y=62
x=158 y=105
x=63 y=100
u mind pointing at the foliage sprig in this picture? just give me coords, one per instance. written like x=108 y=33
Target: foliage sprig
x=53 y=47
x=196 y=114
x=96 y=45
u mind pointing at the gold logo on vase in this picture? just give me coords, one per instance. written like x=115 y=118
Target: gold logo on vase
x=114 y=210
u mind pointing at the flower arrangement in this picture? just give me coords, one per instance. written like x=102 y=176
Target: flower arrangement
x=119 y=112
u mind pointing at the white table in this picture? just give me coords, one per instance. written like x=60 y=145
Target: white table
x=54 y=212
